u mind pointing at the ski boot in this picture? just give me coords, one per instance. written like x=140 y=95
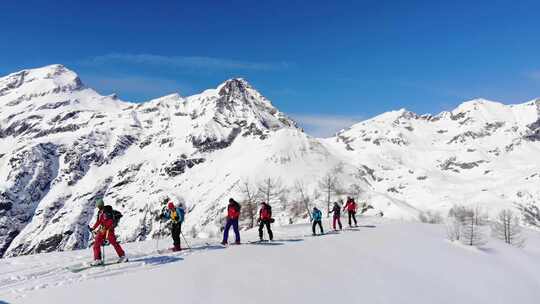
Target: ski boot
x=96 y=263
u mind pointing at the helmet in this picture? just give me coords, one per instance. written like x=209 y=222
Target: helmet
x=99 y=202
x=170 y=205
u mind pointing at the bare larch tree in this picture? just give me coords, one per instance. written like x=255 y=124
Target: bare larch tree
x=506 y=228
x=328 y=185
x=472 y=228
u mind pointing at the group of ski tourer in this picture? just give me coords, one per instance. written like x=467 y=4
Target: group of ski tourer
x=108 y=218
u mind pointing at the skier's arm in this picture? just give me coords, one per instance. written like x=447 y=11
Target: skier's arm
x=98 y=222
x=166 y=214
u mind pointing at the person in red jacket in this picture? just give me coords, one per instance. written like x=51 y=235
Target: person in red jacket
x=104 y=230
x=350 y=206
x=233 y=213
x=265 y=219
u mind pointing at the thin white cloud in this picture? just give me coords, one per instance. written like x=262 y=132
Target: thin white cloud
x=535 y=75
x=144 y=87
x=194 y=62
x=320 y=125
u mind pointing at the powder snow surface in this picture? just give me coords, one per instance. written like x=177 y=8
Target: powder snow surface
x=383 y=262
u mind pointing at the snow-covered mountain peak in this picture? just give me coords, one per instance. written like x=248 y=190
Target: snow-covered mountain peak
x=477 y=104
x=53 y=78
x=236 y=102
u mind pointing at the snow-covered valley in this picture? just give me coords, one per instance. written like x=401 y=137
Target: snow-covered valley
x=62 y=145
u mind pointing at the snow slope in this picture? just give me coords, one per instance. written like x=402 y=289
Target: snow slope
x=62 y=145
x=384 y=261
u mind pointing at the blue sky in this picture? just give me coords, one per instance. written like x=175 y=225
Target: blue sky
x=326 y=63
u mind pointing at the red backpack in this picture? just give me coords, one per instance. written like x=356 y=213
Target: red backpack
x=265 y=213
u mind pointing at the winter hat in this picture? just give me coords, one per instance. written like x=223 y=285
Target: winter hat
x=99 y=202
x=170 y=205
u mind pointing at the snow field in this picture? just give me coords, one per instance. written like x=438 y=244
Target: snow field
x=383 y=261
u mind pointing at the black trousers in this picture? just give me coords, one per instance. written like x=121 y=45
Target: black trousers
x=315 y=223
x=176 y=229
x=261 y=226
x=352 y=214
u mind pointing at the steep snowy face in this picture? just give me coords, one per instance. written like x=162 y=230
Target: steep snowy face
x=62 y=145
x=482 y=152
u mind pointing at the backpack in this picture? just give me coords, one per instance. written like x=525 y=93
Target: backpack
x=181 y=213
x=266 y=212
x=237 y=207
x=317 y=215
x=110 y=213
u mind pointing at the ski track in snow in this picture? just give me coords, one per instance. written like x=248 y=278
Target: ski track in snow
x=46 y=275
x=400 y=261
x=35 y=275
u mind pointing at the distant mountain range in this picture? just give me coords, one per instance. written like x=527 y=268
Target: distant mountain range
x=62 y=145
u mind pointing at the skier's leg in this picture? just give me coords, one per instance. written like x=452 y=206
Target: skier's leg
x=313 y=227
x=350 y=215
x=97 y=245
x=261 y=225
x=236 y=231
x=320 y=226
x=339 y=222
x=354 y=218
x=226 y=231
x=334 y=222
x=175 y=229
x=270 y=234
x=112 y=240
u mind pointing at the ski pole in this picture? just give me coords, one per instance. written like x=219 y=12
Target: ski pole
x=159 y=236
x=187 y=243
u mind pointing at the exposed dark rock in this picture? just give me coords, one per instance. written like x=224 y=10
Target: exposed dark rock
x=534 y=133
x=208 y=144
x=122 y=144
x=67 y=128
x=29 y=175
x=452 y=164
x=463 y=137
x=54 y=105
x=178 y=167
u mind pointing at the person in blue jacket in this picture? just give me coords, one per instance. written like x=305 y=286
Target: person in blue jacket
x=176 y=215
x=316 y=217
